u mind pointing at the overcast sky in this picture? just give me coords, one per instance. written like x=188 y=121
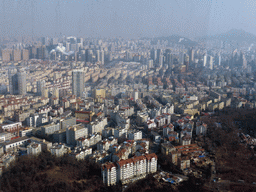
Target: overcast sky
x=126 y=18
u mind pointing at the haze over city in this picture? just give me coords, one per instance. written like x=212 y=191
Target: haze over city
x=131 y=18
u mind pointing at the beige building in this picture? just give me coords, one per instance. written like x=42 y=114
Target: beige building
x=16 y=55
x=25 y=54
x=99 y=95
x=6 y=55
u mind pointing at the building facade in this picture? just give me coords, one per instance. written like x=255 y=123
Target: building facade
x=124 y=170
x=77 y=83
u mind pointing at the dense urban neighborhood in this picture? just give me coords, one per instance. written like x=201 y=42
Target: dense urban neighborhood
x=127 y=115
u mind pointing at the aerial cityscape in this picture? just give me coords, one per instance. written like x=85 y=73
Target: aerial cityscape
x=97 y=111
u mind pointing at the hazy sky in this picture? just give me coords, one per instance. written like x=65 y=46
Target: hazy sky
x=126 y=18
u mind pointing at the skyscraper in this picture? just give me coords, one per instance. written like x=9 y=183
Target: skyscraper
x=150 y=63
x=191 y=56
x=169 y=58
x=22 y=84
x=40 y=87
x=244 y=61
x=97 y=53
x=160 y=60
x=17 y=82
x=204 y=60
x=77 y=83
x=6 y=55
x=25 y=54
x=181 y=58
x=153 y=54
x=102 y=58
x=16 y=55
x=11 y=73
x=89 y=55
x=210 y=61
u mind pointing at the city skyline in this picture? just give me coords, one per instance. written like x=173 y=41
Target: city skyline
x=148 y=95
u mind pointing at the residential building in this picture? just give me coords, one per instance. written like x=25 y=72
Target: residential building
x=78 y=83
x=45 y=145
x=14 y=144
x=34 y=149
x=59 y=150
x=124 y=170
x=81 y=153
x=50 y=129
x=75 y=132
x=135 y=135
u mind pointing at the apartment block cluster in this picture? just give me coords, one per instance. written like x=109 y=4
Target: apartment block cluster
x=126 y=170
x=110 y=101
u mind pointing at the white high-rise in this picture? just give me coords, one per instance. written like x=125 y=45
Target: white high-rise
x=205 y=60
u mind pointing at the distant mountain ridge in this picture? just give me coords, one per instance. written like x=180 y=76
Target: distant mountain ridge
x=238 y=35
x=176 y=39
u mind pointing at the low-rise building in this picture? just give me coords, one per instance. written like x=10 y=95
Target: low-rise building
x=15 y=143
x=120 y=133
x=167 y=148
x=135 y=135
x=88 y=142
x=45 y=145
x=59 y=150
x=80 y=153
x=186 y=140
x=34 y=149
x=184 y=162
x=5 y=161
x=201 y=128
x=5 y=137
x=105 y=144
x=156 y=136
x=26 y=132
x=108 y=132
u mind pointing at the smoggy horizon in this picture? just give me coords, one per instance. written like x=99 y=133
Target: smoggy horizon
x=128 y=19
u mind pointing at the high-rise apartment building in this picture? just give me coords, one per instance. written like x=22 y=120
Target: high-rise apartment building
x=77 y=83
x=181 y=58
x=6 y=55
x=25 y=54
x=102 y=58
x=191 y=56
x=17 y=82
x=153 y=54
x=16 y=55
x=204 y=60
x=97 y=55
x=40 y=87
x=22 y=84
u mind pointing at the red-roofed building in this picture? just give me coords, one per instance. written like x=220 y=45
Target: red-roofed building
x=124 y=170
